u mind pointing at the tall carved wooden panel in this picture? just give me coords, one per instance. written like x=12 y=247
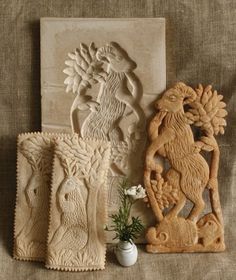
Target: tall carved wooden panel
x=34 y=161
x=189 y=174
x=78 y=208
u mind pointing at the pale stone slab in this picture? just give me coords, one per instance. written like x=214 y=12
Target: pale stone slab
x=113 y=70
x=78 y=205
x=34 y=161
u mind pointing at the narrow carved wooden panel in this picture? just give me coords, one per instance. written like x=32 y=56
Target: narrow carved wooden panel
x=98 y=79
x=78 y=207
x=189 y=174
x=34 y=161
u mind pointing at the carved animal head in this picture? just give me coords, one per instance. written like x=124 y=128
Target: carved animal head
x=209 y=229
x=174 y=98
x=117 y=58
x=69 y=184
x=37 y=190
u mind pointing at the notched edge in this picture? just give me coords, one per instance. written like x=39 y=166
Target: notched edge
x=70 y=136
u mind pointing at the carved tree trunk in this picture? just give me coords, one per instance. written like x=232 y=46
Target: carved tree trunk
x=214 y=192
x=92 y=221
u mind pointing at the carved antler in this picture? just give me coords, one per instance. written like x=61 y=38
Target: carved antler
x=187 y=92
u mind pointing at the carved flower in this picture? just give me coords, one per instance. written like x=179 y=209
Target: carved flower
x=136 y=192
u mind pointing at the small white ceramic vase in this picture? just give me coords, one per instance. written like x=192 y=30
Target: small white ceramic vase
x=126 y=253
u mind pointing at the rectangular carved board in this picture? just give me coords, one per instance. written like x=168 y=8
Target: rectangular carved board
x=78 y=208
x=99 y=78
x=34 y=162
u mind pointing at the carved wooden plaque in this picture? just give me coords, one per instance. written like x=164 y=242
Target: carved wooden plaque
x=34 y=161
x=189 y=173
x=78 y=207
x=99 y=78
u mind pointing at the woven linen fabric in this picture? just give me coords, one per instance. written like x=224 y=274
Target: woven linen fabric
x=201 y=47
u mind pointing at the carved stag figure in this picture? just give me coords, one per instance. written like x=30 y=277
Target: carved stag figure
x=172 y=138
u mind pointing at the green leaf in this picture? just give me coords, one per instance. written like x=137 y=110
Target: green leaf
x=126 y=228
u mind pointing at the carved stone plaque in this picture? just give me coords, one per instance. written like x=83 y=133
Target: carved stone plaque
x=99 y=78
x=34 y=161
x=78 y=207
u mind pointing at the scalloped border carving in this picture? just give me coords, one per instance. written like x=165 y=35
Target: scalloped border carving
x=78 y=205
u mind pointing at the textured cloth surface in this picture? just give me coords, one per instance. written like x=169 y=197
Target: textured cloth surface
x=201 y=47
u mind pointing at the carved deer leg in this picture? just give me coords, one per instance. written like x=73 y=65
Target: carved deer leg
x=74 y=121
x=74 y=110
x=198 y=207
x=178 y=206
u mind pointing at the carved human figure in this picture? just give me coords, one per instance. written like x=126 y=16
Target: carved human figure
x=172 y=138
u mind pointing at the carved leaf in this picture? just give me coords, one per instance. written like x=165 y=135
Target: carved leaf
x=38 y=152
x=207 y=111
x=92 y=50
x=73 y=152
x=84 y=69
x=165 y=194
x=69 y=81
x=120 y=154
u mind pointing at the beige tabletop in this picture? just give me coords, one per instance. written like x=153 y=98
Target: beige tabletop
x=201 y=47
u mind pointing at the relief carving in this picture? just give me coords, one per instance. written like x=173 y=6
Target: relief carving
x=76 y=237
x=118 y=95
x=107 y=107
x=171 y=138
x=32 y=206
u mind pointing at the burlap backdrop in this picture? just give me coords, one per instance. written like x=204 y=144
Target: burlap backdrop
x=201 y=47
